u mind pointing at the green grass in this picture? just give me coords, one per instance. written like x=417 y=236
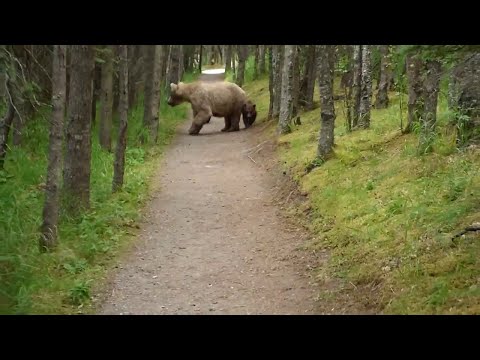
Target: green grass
x=62 y=282
x=387 y=213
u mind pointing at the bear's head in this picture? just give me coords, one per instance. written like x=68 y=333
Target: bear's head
x=249 y=113
x=176 y=94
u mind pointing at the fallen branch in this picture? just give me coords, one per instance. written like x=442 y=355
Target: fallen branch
x=251 y=159
x=473 y=227
x=255 y=146
x=288 y=197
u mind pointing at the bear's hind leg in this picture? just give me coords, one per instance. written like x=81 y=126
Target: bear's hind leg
x=227 y=123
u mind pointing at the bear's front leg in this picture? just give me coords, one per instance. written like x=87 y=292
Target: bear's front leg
x=235 y=123
x=200 y=119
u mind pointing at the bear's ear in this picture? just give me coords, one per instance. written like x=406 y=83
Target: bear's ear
x=173 y=87
x=181 y=83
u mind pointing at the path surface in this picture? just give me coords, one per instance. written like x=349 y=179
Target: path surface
x=213 y=242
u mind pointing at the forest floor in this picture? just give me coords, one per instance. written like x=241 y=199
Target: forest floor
x=215 y=238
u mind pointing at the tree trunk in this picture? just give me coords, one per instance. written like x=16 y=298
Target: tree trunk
x=48 y=239
x=415 y=69
x=326 y=68
x=106 y=100
x=286 y=101
x=366 y=94
x=152 y=88
x=270 y=82
x=163 y=68
x=381 y=102
x=5 y=126
x=357 y=83
x=296 y=80
x=181 y=68
x=173 y=71
x=228 y=58
x=76 y=176
x=119 y=164
x=242 y=58
x=307 y=86
x=256 y=62
x=432 y=88
x=277 y=78
x=261 y=63
x=135 y=64
x=96 y=84
x=200 y=59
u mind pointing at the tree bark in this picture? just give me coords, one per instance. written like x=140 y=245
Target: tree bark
x=326 y=68
x=277 y=78
x=296 y=80
x=78 y=153
x=228 y=58
x=415 y=68
x=270 y=82
x=432 y=88
x=5 y=126
x=152 y=88
x=308 y=82
x=106 y=99
x=181 y=68
x=119 y=164
x=242 y=58
x=173 y=70
x=261 y=64
x=357 y=83
x=49 y=234
x=286 y=101
x=381 y=101
x=256 y=62
x=366 y=94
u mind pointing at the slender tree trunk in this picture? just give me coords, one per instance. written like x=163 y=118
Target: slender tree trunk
x=135 y=64
x=415 y=69
x=119 y=164
x=242 y=58
x=310 y=72
x=5 y=126
x=106 y=101
x=96 y=84
x=48 y=239
x=432 y=88
x=326 y=68
x=256 y=62
x=78 y=153
x=181 y=68
x=200 y=59
x=261 y=64
x=381 y=102
x=366 y=94
x=277 y=78
x=163 y=68
x=228 y=58
x=357 y=83
x=270 y=81
x=296 y=80
x=173 y=70
x=286 y=101
x=152 y=88
x=234 y=60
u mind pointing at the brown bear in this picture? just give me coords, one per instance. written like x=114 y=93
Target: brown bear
x=249 y=113
x=220 y=99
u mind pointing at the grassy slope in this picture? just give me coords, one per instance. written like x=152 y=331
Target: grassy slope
x=61 y=282
x=386 y=213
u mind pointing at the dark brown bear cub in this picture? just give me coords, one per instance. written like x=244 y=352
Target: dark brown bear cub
x=249 y=114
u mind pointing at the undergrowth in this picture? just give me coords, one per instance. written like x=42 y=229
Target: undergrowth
x=63 y=281
x=387 y=213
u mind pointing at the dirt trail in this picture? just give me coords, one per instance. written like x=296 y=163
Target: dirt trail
x=213 y=242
